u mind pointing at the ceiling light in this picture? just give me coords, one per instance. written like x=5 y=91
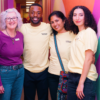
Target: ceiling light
x=27 y=10
x=27 y=7
x=29 y=2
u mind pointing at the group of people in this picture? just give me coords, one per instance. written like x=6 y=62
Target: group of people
x=77 y=45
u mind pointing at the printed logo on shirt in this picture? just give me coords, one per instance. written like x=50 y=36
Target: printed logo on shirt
x=17 y=39
x=44 y=33
x=68 y=41
x=77 y=38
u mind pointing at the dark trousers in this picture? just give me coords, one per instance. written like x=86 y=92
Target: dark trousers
x=53 y=81
x=89 y=87
x=33 y=82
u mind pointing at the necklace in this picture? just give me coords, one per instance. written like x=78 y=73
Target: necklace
x=13 y=40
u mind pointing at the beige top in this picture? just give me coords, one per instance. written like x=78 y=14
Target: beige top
x=64 y=41
x=84 y=40
x=36 y=46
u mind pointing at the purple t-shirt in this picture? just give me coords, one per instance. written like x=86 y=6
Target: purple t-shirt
x=10 y=53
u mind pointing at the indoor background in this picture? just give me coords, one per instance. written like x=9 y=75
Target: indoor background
x=63 y=5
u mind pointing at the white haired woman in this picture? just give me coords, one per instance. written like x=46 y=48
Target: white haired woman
x=11 y=48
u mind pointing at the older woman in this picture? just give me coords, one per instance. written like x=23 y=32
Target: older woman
x=11 y=48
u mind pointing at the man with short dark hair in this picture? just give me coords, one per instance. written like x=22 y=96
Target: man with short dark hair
x=36 y=48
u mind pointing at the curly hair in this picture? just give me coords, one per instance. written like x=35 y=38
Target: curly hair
x=3 y=16
x=60 y=15
x=89 y=20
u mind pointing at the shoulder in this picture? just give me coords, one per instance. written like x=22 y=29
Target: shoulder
x=90 y=34
x=46 y=25
x=24 y=26
x=72 y=34
x=1 y=34
x=19 y=34
x=0 y=37
x=90 y=30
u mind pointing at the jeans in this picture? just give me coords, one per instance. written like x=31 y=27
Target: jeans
x=53 y=81
x=89 y=87
x=33 y=82
x=12 y=81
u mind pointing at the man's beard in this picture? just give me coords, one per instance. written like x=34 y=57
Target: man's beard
x=35 y=22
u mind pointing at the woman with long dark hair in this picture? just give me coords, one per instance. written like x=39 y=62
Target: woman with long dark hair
x=82 y=72
x=60 y=28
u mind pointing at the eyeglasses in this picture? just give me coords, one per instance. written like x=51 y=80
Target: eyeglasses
x=9 y=19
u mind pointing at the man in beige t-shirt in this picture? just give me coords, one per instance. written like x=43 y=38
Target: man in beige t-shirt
x=36 y=47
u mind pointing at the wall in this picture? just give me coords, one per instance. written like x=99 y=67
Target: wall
x=1 y=5
x=46 y=9
x=8 y=4
x=5 y=4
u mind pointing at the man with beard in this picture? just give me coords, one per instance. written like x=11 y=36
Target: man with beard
x=36 y=47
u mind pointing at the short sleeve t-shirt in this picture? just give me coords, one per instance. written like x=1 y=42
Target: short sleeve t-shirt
x=85 y=40
x=36 y=46
x=64 y=41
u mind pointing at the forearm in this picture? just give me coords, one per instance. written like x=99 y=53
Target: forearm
x=85 y=71
x=86 y=67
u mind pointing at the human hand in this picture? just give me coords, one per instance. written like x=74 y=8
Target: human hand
x=1 y=89
x=79 y=91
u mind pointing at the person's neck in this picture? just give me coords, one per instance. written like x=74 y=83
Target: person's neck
x=81 y=28
x=11 y=32
x=35 y=25
x=62 y=31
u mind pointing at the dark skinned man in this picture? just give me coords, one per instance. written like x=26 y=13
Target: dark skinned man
x=36 y=48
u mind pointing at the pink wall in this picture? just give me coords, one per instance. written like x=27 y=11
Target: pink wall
x=5 y=4
x=2 y=6
x=46 y=9
x=18 y=7
x=8 y=4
